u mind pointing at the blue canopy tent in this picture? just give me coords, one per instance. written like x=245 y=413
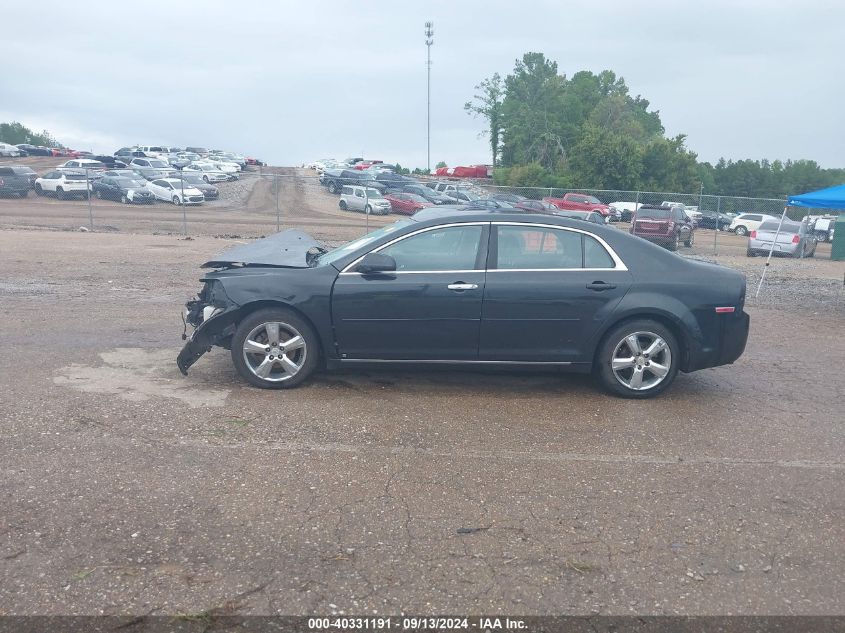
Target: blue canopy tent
x=830 y=198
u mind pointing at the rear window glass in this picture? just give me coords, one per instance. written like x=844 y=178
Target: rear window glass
x=656 y=214
x=772 y=225
x=595 y=255
x=6 y=171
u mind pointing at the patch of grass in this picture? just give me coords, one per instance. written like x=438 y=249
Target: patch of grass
x=82 y=574
x=581 y=568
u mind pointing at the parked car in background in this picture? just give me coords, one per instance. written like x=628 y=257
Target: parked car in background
x=230 y=169
x=823 y=228
x=625 y=209
x=579 y=202
x=86 y=166
x=11 y=151
x=587 y=216
x=392 y=180
x=462 y=196
x=33 y=150
x=127 y=190
x=195 y=180
x=794 y=239
x=714 y=220
x=536 y=206
x=744 y=223
x=151 y=168
x=513 y=198
x=123 y=173
x=16 y=180
x=202 y=151
x=488 y=204
x=366 y=199
x=62 y=184
x=172 y=190
x=209 y=173
x=406 y=203
x=692 y=211
x=434 y=197
x=335 y=179
x=597 y=300
x=664 y=226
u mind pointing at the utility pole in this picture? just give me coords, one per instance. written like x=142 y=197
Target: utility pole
x=429 y=40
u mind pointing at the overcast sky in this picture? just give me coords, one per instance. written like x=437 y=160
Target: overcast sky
x=291 y=82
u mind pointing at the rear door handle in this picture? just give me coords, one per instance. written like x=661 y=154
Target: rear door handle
x=460 y=287
x=598 y=286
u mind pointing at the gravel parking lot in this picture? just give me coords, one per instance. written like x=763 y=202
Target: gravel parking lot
x=130 y=489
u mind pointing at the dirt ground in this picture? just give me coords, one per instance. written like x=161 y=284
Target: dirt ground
x=130 y=489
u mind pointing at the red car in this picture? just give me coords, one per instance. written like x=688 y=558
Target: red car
x=579 y=202
x=407 y=203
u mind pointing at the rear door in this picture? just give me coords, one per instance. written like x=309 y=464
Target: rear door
x=548 y=291
x=428 y=309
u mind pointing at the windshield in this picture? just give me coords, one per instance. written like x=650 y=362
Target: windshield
x=593 y=200
x=350 y=247
x=158 y=163
x=128 y=182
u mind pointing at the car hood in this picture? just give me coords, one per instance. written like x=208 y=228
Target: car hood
x=288 y=248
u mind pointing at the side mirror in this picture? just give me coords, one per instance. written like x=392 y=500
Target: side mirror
x=376 y=263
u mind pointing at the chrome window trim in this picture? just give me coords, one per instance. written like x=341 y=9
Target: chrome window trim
x=620 y=265
x=346 y=270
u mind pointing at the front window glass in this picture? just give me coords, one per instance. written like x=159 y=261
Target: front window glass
x=450 y=248
x=537 y=248
x=350 y=247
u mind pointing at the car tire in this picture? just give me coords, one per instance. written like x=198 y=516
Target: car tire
x=368 y=209
x=342 y=205
x=207 y=180
x=616 y=377
x=750 y=253
x=332 y=187
x=673 y=246
x=60 y=193
x=99 y=194
x=24 y=194
x=39 y=190
x=385 y=212
x=741 y=231
x=124 y=199
x=822 y=237
x=291 y=325
x=175 y=200
x=691 y=239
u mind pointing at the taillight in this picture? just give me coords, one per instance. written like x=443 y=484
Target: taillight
x=795 y=239
x=753 y=235
x=725 y=309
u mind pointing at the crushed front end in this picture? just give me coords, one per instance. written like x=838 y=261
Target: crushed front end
x=213 y=316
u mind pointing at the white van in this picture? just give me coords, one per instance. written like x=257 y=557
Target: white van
x=366 y=199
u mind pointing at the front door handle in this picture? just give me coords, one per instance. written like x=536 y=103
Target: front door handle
x=460 y=287
x=598 y=286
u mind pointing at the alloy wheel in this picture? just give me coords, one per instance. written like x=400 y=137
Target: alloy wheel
x=641 y=360
x=274 y=351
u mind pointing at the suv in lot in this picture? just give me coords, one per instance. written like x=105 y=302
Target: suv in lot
x=335 y=179
x=664 y=226
x=366 y=199
x=744 y=223
x=16 y=180
x=63 y=184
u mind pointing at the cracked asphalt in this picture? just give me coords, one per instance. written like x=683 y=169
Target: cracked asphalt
x=126 y=488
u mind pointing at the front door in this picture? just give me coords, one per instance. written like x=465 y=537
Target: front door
x=548 y=291
x=428 y=309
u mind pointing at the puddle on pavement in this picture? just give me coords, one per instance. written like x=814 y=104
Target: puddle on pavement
x=136 y=375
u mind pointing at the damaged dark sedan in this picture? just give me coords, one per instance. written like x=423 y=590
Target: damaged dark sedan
x=484 y=289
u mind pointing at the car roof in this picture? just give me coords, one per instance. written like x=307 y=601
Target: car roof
x=433 y=216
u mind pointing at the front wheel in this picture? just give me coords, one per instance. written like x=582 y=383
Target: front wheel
x=39 y=191
x=368 y=209
x=124 y=199
x=176 y=200
x=638 y=359
x=99 y=194
x=750 y=253
x=691 y=239
x=741 y=231
x=60 y=193
x=207 y=180
x=342 y=205
x=332 y=187
x=275 y=348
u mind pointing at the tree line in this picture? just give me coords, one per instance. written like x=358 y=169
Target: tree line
x=548 y=130
x=15 y=133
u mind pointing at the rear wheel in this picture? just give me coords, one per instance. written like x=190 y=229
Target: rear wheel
x=332 y=187
x=673 y=245
x=691 y=240
x=39 y=191
x=638 y=359
x=60 y=193
x=275 y=349
x=741 y=231
x=368 y=209
x=99 y=194
x=124 y=199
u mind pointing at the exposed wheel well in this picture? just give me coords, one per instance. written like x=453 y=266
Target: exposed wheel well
x=677 y=331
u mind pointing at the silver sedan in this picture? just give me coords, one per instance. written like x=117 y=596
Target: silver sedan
x=793 y=240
